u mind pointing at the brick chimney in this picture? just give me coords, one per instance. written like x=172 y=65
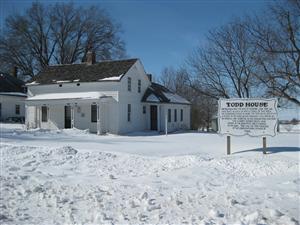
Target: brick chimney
x=90 y=57
x=14 y=72
x=149 y=75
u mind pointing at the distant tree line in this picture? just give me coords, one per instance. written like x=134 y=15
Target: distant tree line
x=61 y=33
x=253 y=56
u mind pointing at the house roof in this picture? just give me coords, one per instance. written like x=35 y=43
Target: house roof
x=83 y=72
x=158 y=93
x=10 y=84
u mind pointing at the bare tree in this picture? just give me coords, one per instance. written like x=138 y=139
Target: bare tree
x=24 y=41
x=176 y=80
x=276 y=37
x=203 y=107
x=67 y=29
x=58 y=34
x=224 y=68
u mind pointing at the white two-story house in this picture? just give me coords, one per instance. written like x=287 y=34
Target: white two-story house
x=107 y=97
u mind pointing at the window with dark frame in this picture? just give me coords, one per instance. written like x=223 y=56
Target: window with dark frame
x=144 y=109
x=93 y=113
x=175 y=115
x=169 y=115
x=129 y=83
x=17 y=109
x=181 y=115
x=129 y=112
x=139 y=86
x=44 y=114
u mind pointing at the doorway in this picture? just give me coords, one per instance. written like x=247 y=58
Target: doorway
x=67 y=117
x=153 y=117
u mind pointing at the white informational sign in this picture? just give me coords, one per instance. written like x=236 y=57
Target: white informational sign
x=248 y=116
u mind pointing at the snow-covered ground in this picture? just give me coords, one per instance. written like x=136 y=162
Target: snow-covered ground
x=73 y=177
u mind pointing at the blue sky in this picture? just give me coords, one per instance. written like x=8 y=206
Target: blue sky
x=160 y=32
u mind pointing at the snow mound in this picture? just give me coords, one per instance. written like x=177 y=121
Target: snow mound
x=71 y=186
x=73 y=177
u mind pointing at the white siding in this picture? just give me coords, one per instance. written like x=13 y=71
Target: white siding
x=138 y=119
x=179 y=125
x=55 y=117
x=82 y=116
x=8 y=106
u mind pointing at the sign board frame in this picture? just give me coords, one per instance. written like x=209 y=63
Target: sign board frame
x=272 y=104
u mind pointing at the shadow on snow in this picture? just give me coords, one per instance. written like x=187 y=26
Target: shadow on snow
x=272 y=150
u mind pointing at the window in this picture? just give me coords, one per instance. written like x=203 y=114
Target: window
x=144 y=109
x=78 y=84
x=17 y=109
x=175 y=115
x=129 y=83
x=129 y=112
x=44 y=114
x=181 y=115
x=139 y=86
x=169 y=115
x=93 y=113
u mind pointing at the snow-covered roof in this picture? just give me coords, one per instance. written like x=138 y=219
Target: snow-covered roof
x=84 y=72
x=19 y=94
x=32 y=83
x=175 y=98
x=159 y=93
x=63 y=81
x=70 y=95
x=115 y=78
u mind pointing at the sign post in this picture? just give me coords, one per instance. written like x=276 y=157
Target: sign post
x=264 y=145
x=247 y=116
x=228 y=145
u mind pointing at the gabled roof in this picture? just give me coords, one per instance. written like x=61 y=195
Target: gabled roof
x=83 y=72
x=157 y=93
x=10 y=84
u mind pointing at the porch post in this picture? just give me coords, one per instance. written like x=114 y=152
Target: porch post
x=48 y=112
x=38 y=119
x=166 y=120
x=72 y=116
x=26 y=118
x=35 y=116
x=98 y=120
x=158 y=118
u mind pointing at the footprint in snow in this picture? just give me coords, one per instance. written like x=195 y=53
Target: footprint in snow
x=143 y=218
x=215 y=213
x=153 y=207
x=24 y=177
x=134 y=204
x=179 y=202
x=29 y=163
x=274 y=213
x=4 y=218
x=151 y=201
x=144 y=195
x=14 y=168
x=112 y=177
